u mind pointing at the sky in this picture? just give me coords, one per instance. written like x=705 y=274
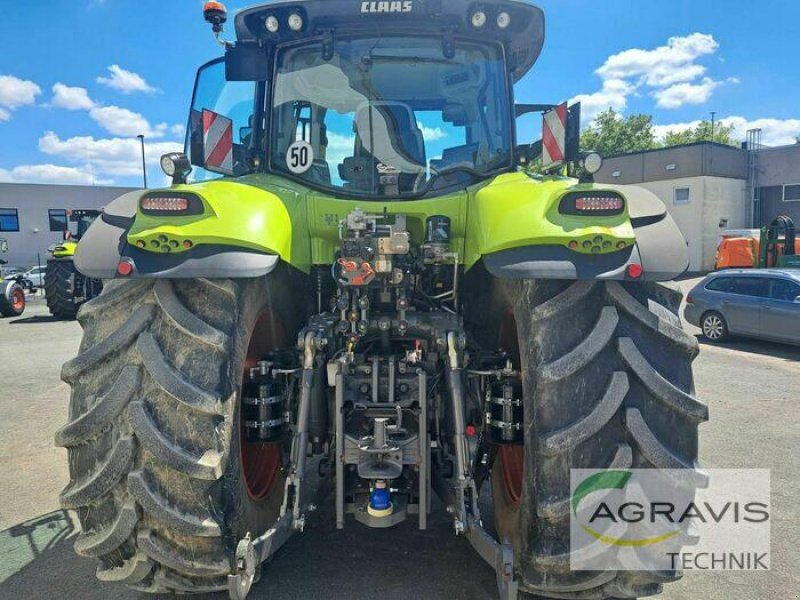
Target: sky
x=80 y=79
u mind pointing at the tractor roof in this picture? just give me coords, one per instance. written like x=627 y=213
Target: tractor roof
x=523 y=37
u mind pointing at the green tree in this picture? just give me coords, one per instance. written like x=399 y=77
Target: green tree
x=723 y=134
x=611 y=133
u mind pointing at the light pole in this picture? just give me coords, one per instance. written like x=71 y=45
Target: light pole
x=713 y=115
x=144 y=167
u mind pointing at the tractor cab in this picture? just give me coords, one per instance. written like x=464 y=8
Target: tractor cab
x=79 y=222
x=367 y=99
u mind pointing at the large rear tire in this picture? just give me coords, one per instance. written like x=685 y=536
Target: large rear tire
x=607 y=382
x=59 y=289
x=154 y=437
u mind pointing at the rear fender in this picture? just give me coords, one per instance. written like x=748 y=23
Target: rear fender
x=656 y=244
x=243 y=232
x=65 y=249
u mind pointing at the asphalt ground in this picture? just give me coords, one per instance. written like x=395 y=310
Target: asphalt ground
x=752 y=389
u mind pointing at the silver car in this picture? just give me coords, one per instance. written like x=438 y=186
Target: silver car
x=36 y=276
x=761 y=303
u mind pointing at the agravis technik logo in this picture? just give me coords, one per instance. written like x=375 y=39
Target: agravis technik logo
x=651 y=519
x=608 y=480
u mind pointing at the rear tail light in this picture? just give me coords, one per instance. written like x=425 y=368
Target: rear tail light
x=592 y=203
x=171 y=204
x=125 y=267
x=689 y=299
x=634 y=270
x=167 y=204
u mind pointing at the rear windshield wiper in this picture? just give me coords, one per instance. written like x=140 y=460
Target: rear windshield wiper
x=436 y=174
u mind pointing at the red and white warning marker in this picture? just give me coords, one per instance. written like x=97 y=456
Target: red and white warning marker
x=217 y=142
x=554 y=136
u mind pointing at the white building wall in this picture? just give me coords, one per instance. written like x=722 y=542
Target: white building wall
x=28 y=246
x=713 y=201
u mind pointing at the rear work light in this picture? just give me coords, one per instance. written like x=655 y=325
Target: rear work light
x=592 y=203
x=171 y=204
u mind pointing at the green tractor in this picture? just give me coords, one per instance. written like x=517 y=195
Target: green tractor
x=362 y=284
x=64 y=287
x=12 y=291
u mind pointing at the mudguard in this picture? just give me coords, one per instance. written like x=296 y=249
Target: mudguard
x=110 y=239
x=65 y=249
x=659 y=248
x=6 y=286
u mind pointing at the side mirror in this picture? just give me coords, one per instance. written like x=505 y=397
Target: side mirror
x=3 y=246
x=247 y=62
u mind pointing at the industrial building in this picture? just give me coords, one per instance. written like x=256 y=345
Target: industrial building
x=709 y=187
x=34 y=216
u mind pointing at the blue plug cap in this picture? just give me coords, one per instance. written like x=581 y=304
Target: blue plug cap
x=380 y=499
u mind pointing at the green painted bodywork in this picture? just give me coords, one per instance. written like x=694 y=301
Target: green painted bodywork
x=275 y=215
x=65 y=249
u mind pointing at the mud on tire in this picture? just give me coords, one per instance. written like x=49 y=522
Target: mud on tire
x=607 y=382
x=153 y=436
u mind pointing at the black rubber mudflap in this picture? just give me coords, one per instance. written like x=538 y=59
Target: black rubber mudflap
x=155 y=475
x=608 y=383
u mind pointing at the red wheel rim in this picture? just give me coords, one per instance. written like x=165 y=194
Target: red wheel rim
x=513 y=461
x=17 y=300
x=261 y=463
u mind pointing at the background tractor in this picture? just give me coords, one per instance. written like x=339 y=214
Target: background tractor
x=12 y=292
x=65 y=288
x=362 y=285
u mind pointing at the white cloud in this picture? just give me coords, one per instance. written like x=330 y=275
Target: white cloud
x=16 y=92
x=431 y=134
x=339 y=147
x=49 y=173
x=659 y=131
x=114 y=119
x=679 y=94
x=126 y=82
x=664 y=65
x=124 y=122
x=118 y=157
x=774 y=132
x=670 y=72
x=614 y=94
x=71 y=98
